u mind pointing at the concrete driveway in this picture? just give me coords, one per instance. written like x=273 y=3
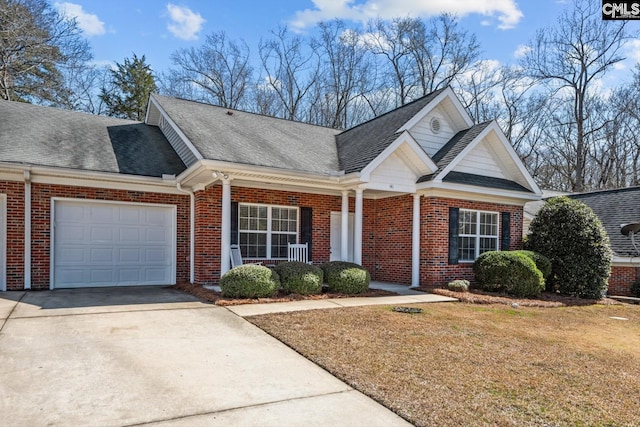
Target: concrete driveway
x=156 y=356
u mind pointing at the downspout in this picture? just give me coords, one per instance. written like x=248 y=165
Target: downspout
x=27 y=229
x=192 y=231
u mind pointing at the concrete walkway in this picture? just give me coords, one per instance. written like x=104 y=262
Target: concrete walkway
x=405 y=295
x=157 y=356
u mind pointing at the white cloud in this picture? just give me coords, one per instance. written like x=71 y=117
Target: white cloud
x=505 y=11
x=521 y=51
x=89 y=23
x=185 y=23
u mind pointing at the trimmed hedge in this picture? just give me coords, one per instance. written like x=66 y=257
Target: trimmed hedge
x=249 y=281
x=346 y=277
x=300 y=278
x=542 y=262
x=571 y=235
x=458 y=285
x=511 y=272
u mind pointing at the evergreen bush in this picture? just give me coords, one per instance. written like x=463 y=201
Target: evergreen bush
x=571 y=235
x=300 y=278
x=249 y=281
x=346 y=277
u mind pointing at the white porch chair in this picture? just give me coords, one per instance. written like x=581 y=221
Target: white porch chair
x=298 y=252
x=236 y=257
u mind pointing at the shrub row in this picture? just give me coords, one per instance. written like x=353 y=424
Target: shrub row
x=257 y=281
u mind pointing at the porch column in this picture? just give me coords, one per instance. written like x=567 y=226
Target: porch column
x=357 y=229
x=225 y=229
x=344 y=235
x=415 y=243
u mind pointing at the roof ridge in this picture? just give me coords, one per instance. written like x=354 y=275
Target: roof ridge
x=205 y=104
x=610 y=190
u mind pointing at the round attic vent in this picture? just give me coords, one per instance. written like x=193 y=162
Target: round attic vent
x=435 y=125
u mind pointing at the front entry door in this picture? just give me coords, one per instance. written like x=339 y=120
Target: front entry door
x=336 y=237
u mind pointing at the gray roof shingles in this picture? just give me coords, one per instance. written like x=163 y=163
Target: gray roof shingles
x=42 y=136
x=360 y=145
x=247 y=138
x=614 y=208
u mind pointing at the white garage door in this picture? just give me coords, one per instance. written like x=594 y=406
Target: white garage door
x=112 y=244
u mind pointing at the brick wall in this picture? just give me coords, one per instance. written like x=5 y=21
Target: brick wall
x=621 y=279
x=41 y=195
x=434 y=236
x=392 y=231
x=208 y=218
x=15 y=233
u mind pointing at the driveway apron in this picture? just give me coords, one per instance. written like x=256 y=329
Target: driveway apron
x=156 y=356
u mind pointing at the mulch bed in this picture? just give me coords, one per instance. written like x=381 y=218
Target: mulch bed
x=545 y=299
x=217 y=298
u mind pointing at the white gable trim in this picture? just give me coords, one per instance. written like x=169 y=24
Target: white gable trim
x=470 y=192
x=405 y=138
x=187 y=142
x=446 y=93
x=492 y=127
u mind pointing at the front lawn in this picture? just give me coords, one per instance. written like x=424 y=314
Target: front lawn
x=467 y=364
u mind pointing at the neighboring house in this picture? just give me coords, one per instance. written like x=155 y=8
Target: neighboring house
x=616 y=208
x=414 y=195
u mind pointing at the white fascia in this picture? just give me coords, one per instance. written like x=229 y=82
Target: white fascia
x=447 y=93
x=404 y=138
x=492 y=127
x=471 y=192
x=628 y=261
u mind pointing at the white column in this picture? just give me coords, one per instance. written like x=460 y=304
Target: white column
x=344 y=234
x=357 y=229
x=27 y=232
x=225 y=229
x=415 y=243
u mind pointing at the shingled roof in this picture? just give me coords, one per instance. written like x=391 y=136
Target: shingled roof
x=360 y=145
x=614 y=208
x=35 y=135
x=253 y=139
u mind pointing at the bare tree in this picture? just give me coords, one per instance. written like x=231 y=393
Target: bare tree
x=345 y=76
x=569 y=59
x=218 y=72
x=390 y=41
x=291 y=68
x=441 y=50
x=36 y=43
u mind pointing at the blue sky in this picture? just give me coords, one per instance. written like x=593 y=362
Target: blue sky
x=116 y=29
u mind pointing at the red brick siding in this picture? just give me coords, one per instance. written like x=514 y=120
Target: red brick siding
x=434 y=236
x=15 y=233
x=41 y=223
x=621 y=279
x=393 y=228
x=208 y=218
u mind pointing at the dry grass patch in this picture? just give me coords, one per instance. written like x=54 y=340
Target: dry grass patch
x=464 y=364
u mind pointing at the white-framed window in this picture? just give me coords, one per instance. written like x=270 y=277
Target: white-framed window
x=265 y=231
x=477 y=233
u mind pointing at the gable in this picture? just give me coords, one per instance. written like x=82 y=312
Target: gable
x=483 y=160
x=434 y=130
x=398 y=172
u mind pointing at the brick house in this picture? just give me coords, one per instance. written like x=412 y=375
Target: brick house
x=414 y=195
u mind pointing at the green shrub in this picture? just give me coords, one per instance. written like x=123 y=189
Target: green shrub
x=346 y=277
x=300 y=278
x=459 y=285
x=249 y=281
x=542 y=262
x=513 y=273
x=571 y=235
x=635 y=288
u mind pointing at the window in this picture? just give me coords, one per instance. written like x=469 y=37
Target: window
x=266 y=231
x=477 y=233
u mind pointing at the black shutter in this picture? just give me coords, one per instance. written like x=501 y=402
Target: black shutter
x=234 y=223
x=505 y=235
x=454 y=214
x=306 y=223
